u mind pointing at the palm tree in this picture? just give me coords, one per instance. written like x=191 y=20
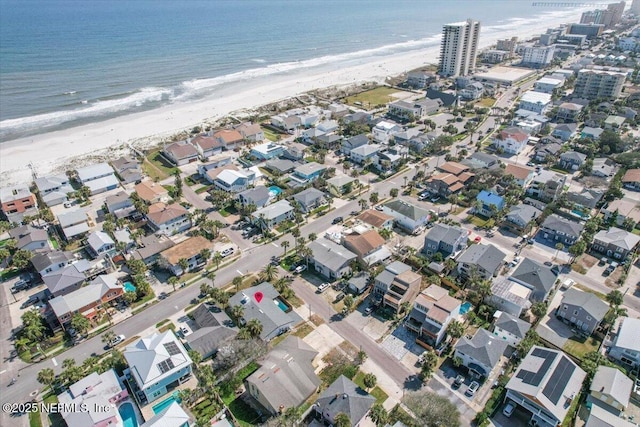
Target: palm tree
x=205 y=254
x=312 y=236
x=46 y=377
x=237 y=311
x=270 y=272
x=217 y=257
x=559 y=247
x=254 y=327
x=369 y=380
x=378 y=415
x=108 y=337
x=237 y=281
x=211 y=276
x=173 y=281
x=342 y=420
x=80 y=323
x=455 y=329
x=285 y=246
x=184 y=264
x=292 y=414
x=362 y=203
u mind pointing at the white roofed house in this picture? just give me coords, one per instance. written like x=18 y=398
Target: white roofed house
x=537 y=102
x=267 y=151
x=545 y=384
x=511 y=140
x=406 y=215
x=99 y=178
x=234 y=181
x=625 y=346
x=100 y=244
x=610 y=390
x=74 y=223
x=472 y=91
x=330 y=259
x=54 y=189
x=99 y=395
x=273 y=214
x=306 y=173
x=384 y=130
x=547 y=84
x=157 y=365
x=364 y=153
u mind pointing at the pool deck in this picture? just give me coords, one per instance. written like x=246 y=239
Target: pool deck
x=147 y=411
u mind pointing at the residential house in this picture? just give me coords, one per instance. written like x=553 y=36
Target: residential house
x=281 y=166
x=599 y=417
x=368 y=246
x=615 y=242
x=168 y=219
x=288 y=123
x=66 y=279
x=412 y=111
x=328 y=142
x=591 y=133
x=231 y=138
x=565 y=131
x=625 y=347
x=510 y=296
x=631 y=179
x=402 y=289
x=208 y=170
x=364 y=154
x=343 y=396
x=173 y=415
x=328 y=126
x=420 y=79
x=560 y=229
x=98 y=395
x=267 y=151
x=522 y=174
x=537 y=102
x=545 y=384
x=489 y=203
x=376 y=219
x=445 y=239
x=480 y=354
x=100 y=244
x=480 y=160
x=330 y=259
x=48 y=262
x=17 y=201
x=582 y=310
x=273 y=214
x=120 y=205
x=341 y=184
x=384 y=130
x=251 y=132
x=572 y=160
x=310 y=199
x=122 y=237
x=547 y=84
x=432 y=312
x=30 y=238
x=234 y=181
x=151 y=192
x=87 y=300
x=585 y=200
x=625 y=210
x=390 y=159
x=258 y=196
x=485 y=260
x=212 y=330
x=472 y=91
x=99 y=178
x=285 y=378
x=511 y=140
x=354 y=142
x=454 y=168
x=181 y=153
x=361 y=117
x=190 y=250
x=519 y=219
x=127 y=169
x=444 y=184
x=546 y=185
x=150 y=247
x=207 y=146
x=613 y=122
x=54 y=189
x=307 y=173
x=274 y=315
x=74 y=223
x=157 y=365
x=610 y=390
x=595 y=120
x=547 y=151
x=358 y=284
x=509 y=329
x=407 y=216
x=535 y=276
x=569 y=112
x=604 y=168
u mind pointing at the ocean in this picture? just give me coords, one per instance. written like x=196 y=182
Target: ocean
x=65 y=63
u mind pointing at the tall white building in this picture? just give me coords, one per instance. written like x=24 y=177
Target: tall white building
x=459 y=48
x=537 y=56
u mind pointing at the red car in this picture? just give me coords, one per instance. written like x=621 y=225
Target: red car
x=477 y=239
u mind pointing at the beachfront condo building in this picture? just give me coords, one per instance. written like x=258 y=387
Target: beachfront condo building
x=459 y=48
x=599 y=83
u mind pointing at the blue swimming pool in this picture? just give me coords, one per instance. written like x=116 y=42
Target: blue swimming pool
x=128 y=415
x=129 y=286
x=274 y=191
x=580 y=214
x=165 y=403
x=281 y=304
x=465 y=307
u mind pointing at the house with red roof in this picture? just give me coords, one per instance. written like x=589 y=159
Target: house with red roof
x=511 y=140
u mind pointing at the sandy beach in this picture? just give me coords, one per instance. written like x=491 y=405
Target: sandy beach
x=69 y=148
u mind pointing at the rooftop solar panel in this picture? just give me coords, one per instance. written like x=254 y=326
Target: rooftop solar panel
x=534 y=378
x=172 y=348
x=559 y=380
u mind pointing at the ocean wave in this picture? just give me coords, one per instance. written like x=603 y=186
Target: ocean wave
x=259 y=60
x=95 y=109
x=71 y=92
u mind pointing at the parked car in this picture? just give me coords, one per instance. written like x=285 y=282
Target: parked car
x=323 y=287
x=473 y=387
x=458 y=381
x=568 y=283
x=227 y=252
x=184 y=331
x=337 y=220
x=379 y=208
x=602 y=261
x=299 y=269
x=162 y=295
x=30 y=301
x=340 y=297
x=117 y=340
x=369 y=310
x=508 y=409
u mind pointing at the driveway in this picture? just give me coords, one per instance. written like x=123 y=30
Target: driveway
x=400 y=342
x=550 y=328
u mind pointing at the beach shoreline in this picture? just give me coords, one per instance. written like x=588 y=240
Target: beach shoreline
x=57 y=151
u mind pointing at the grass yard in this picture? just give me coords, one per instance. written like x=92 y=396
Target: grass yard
x=579 y=346
x=486 y=102
x=368 y=99
x=156 y=166
x=480 y=222
x=244 y=413
x=269 y=134
x=303 y=330
x=591 y=291
x=228 y=210
x=376 y=392
x=165 y=328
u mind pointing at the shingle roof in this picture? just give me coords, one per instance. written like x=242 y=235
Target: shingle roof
x=159 y=213
x=211 y=333
x=391 y=271
x=525 y=213
x=97 y=239
x=346 y=397
x=43 y=260
x=519 y=172
x=573 y=156
x=514 y=133
x=308 y=196
x=614 y=383
x=448 y=234
x=95 y=291
x=330 y=254
x=632 y=175
x=484 y=347
x=26 y=234
x=488 y=257
x=407 y=209
x=181 y=150
x=90 y=172
x=185 y=249
x=515 y=326
x=148 y=190
x=618 y=237
x=453 y=167
x=59 y=280
x=558 y=223
x=535 y=275
x=364 y=243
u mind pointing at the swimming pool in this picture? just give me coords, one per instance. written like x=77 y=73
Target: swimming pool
x=129 y=286
x=128 y=415
x=165 y=403
x=465 y=307
x=281 y=304
x=580 y=214
x=274 y=191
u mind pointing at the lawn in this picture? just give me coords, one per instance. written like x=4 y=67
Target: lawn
x=373 y=97
x=244 y=413
x=227 y=210
x=376 y=392
x=269 y=134
x=303 y=330
x=579 y=346
x=486 y=102
x=479 y=221
x=156 y=166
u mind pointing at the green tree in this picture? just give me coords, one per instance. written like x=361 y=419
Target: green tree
x=432 y=409
x=429 y=362
x=254 y=327
x=80 y=323
x=615 y=298
x=369 y=380
x=136 y=266
x=237 y=281
x=539 y=309
x=108 y=337
x=205 y=254
x=455 y=329
x=237 y=311
x=312 y=236
x=393 y=192
x=285 y=246
x=379 y=415
x=46 y=377
x=173 y=281
x=342 y=420
x=21 y=258
x=211 y=275
x=33 y=325
x=177 y=183
x=184 y=265
x=577 y=249
x=270 y=272
x=195 y=357
x=348 y=302
x=530 y=339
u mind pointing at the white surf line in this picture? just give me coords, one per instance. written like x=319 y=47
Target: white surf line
x=3 y=371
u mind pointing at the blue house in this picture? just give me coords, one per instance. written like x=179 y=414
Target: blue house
x=488 y=199
x=307 y=173
x=267 y=151
x=157 y=365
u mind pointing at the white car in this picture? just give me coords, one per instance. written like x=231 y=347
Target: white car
x=508 y=409
x=227 y=252
x=473 y=387
x=323 y=287
x=299 y=269
x=117 y=340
